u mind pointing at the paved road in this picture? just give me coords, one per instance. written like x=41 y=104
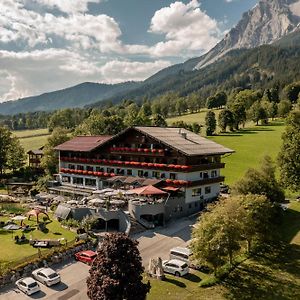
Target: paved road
x=151 y=244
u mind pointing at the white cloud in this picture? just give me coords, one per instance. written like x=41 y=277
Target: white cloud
x=69 y=6
x=19 y=24
x=38 y=71
x=186 y=27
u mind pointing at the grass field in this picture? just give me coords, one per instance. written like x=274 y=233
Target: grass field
x=274 y=276
x=10 y=251
x=250 y=144
x=30 y=133
x=32 y=139
x=191 y=118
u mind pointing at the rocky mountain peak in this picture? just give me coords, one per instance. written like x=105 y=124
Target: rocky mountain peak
x=265 y=23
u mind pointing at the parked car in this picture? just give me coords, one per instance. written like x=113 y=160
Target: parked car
x=46 y=276
x=28 y=285
x=86 y=256
x=176 y=267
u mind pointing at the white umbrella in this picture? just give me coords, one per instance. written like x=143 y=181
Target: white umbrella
x=103 y=191
x=59 y=198
x=97 y=201
x=19 y=218
x=117 y=202
x=72 y=202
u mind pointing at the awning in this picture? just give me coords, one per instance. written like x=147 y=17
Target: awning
x=148 y=190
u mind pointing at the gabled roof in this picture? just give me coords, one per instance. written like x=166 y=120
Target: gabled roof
x=83 y=143
x=184 y=140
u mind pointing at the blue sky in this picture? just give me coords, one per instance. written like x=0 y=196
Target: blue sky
x=47 y=45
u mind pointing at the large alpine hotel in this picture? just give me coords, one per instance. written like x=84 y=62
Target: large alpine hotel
x=184 y=165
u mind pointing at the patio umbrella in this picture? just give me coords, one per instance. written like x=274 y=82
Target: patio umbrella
x=103 y=191
x=71 y=202
x=97 y=201
x=148 y=191
x=19 y=218
x=117 y=202
x=59 y=199
x=11 y=227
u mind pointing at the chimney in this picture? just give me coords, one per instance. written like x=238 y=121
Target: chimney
x=183 y=135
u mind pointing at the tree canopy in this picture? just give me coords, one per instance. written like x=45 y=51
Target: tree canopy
x=116 y=273
x=289 y=155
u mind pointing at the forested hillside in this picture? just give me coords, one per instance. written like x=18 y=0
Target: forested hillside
x=260 y=68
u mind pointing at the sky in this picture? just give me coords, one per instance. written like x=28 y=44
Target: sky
x=46 y=45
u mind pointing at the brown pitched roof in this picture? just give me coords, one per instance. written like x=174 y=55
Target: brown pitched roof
x=184 y=140
x=83 y=143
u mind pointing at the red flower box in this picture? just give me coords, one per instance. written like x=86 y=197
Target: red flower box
x=105 y=174
x=150 y=165
x=169 y=181
x=160 y=151
x=140 y=150
x=147 y=150
x=171 y=166
x=178 y=167
x=176 y=182
x=153 y=150
x=127 y=163
x=112 y=174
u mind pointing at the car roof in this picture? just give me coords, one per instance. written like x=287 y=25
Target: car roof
x=88 y=252
x=28 y=280
x=47 y=271
x=176 y=262
x=183 y=250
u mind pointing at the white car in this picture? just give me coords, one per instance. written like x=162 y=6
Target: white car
x=28 y=285
x=46 y=276
x=176 y=267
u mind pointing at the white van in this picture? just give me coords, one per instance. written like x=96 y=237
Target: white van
x=181 y=253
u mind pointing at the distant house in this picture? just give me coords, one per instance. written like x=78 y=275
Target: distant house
x=34 y=158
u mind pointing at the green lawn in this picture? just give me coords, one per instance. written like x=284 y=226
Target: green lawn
x=273 y=276
x=33 y=143
x=250 y=144
x=10 y=252
x=30 y=133
x=191 y=118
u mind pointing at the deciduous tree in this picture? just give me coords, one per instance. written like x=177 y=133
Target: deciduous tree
x=116 y=273
x=289 y=156
x=210 y=123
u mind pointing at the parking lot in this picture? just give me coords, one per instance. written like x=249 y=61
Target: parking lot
x=152 y=243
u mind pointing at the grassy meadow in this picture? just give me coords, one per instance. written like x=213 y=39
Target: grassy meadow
x=32 y=139
x=251 y=145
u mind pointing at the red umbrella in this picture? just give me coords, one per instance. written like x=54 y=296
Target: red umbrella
x=148 y=190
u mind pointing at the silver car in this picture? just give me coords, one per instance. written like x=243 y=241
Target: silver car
x=175 y=267
x=46 y=276
x=28 y=285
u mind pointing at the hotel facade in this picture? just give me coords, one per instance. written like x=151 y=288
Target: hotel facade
x=175 y=160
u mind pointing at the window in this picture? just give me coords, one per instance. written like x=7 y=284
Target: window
x=99 y=169
x=196 y=204
x=77 y=180
x=214 y=173
x=140 y=173
x=71 y=167
x=196 y=192
x=89 y=168
x=79 y=167
x=207 y=190
x=201 y=175
x=156 y=174
x=129 y=172
x=205 y=175
x=173 y=176
x=110 y=170
x=190 y=205
x=90 y=182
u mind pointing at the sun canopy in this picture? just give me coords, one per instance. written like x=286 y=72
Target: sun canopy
x=148 y=190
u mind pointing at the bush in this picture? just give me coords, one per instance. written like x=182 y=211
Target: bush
x=211 y=281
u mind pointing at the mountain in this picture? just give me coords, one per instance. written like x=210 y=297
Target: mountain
x=76 y=96
x=270 y=22
x=262 y=67
x=266 y=22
